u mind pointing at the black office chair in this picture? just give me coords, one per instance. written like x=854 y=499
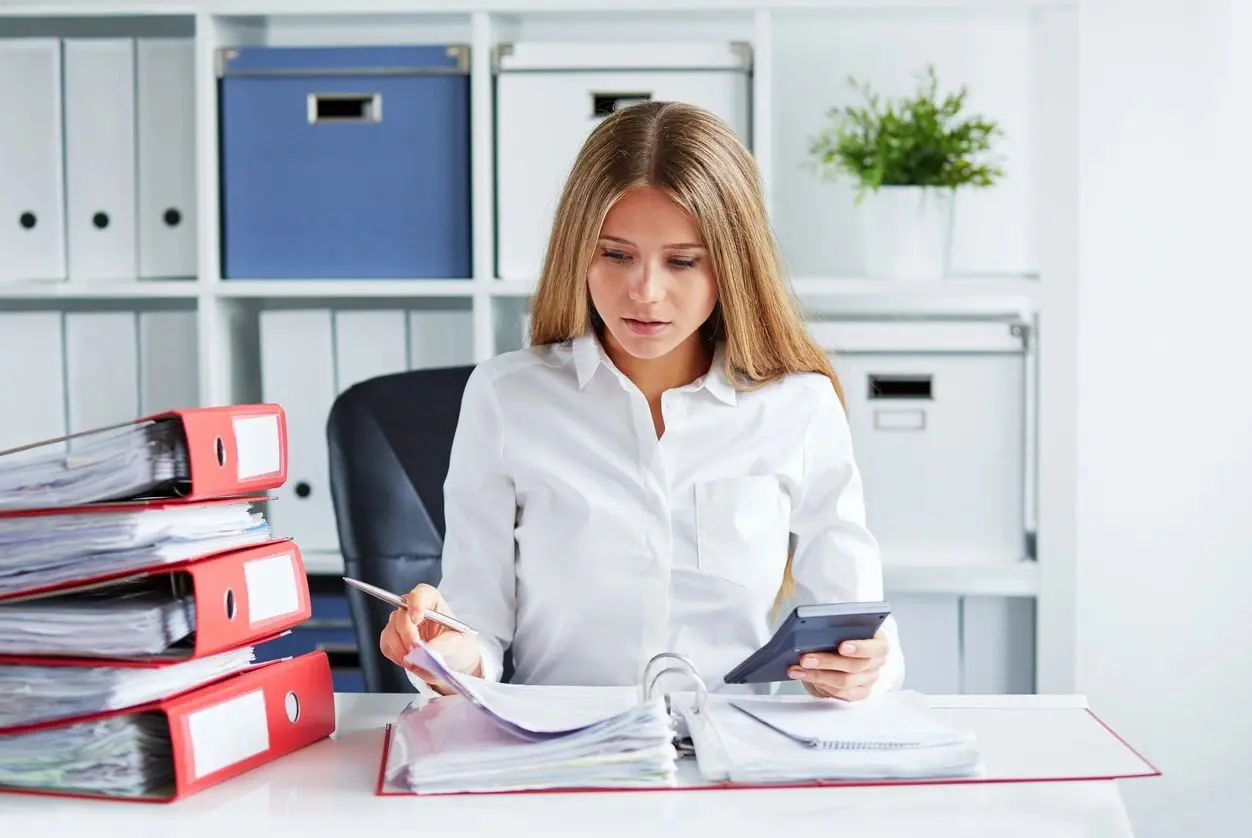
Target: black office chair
x=390 y=439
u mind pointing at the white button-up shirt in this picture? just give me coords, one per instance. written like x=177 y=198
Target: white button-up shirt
x=587 y=545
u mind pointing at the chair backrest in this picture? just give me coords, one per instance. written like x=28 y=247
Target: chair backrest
x=389 y=440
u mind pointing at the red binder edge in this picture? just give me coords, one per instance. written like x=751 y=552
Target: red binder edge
x=381 y=791
x=114 y=576
x=308 y=674
x=215 y=580
x=212 y=448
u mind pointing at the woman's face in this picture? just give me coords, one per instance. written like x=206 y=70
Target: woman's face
x=650 y=278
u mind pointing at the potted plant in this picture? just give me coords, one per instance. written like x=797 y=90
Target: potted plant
x=908 y=157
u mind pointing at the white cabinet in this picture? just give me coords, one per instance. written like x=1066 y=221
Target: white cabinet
x=550 y=96
x=937 y=410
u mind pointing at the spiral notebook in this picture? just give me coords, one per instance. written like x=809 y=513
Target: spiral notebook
x=488 y=737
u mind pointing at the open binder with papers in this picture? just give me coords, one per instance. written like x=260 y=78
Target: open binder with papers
x=489 y=737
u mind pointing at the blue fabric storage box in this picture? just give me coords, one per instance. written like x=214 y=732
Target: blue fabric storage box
x=345 y=162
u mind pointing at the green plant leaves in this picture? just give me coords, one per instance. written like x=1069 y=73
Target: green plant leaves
x=913 y=141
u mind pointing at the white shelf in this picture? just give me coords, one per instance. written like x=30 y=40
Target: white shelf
x=347 y=288
x=444 y=7
x=153 y=289
x=1019 y=57
x=1009 y=579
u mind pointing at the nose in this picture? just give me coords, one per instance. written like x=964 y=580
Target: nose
x=645 y=285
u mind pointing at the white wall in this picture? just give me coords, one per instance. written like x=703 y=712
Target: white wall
x=1165 y=395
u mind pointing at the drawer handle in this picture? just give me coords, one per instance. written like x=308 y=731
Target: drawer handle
x=345 y=107
x=604 y=104
x=899 y=387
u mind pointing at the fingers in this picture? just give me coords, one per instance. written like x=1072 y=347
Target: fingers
x=859 y=693
x=874 y=648
x=840 y=663
x=839 y=684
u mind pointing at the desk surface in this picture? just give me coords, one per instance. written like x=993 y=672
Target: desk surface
x=327 y=789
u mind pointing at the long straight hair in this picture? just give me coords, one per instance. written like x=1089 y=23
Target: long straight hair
x=698 y=161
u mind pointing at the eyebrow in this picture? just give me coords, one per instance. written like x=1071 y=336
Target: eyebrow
x=679 y=246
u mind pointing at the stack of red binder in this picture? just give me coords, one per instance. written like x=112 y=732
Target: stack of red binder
x=136 y=579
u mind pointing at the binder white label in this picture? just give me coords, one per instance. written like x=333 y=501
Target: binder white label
x=228 y=733
x=257 y=445
x=272 y=590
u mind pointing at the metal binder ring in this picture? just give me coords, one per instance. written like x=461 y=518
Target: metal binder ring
x=682 y=661
x=702 y=691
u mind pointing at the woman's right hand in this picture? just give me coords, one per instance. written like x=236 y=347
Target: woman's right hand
x=459 y=651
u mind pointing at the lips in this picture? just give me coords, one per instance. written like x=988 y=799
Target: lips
x=641 y=326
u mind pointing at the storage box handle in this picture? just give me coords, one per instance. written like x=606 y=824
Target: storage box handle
x=345 y=107
x=900 y=387
x=604 y=104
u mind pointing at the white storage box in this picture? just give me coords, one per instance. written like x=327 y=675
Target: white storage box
x=549 y=97
x=938 y=411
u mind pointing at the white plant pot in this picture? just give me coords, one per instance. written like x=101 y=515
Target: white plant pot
x=906 y=232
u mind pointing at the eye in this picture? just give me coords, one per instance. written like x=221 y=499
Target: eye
x=684 y=262
x=619 y=256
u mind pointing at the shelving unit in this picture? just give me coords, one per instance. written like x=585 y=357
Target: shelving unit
x=1014 y=247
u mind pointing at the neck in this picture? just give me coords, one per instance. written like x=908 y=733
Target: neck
x=653 y=376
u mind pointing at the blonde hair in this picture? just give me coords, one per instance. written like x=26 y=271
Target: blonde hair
x=699 y=162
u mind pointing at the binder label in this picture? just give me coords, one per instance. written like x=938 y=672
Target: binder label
x=257 y=445
x=272 y=589
x=228 y=733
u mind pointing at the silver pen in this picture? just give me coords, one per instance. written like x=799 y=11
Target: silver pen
x=391 y=599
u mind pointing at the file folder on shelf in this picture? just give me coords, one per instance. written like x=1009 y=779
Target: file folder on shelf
x=190 y=609
x=496 y=738
x=165 y=750
x=187 y=455
x=40 y=549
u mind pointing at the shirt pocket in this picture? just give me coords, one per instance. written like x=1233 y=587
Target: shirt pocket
x=743 y=530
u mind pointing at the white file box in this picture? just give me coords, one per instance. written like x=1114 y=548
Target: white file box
x=32 y=407
x=369 y=344
x=32 y=185
x=100 y=158
x=549 y=97
x=166 y=137
x=298 y=372
x=930 y=635
x=998 y=642
x=102 y=369
x=440 y=338
x=169 y=372
x=939 y=427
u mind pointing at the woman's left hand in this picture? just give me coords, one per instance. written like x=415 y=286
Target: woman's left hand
x=848 y=675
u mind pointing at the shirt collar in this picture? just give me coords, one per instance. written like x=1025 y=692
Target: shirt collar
x=589 y=355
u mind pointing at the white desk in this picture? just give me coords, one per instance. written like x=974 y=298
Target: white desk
x=327 y=789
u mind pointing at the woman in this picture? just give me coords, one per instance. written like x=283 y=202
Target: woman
x=669 y=460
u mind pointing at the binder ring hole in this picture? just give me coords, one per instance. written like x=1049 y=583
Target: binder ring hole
x=303 y=489
x=292 y=706
x=172 y=217
x=220 y=447
x=27 y=220
x=229 y=604
x=101 y=220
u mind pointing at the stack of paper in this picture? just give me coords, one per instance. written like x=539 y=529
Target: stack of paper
x=35 y=693
x=103 y=465
x=503 y=737
x=128 y=619
x=797 y=739
x=40 y=550
x=121 y=756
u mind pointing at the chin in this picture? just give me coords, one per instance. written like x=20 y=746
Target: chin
x=648 y=347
